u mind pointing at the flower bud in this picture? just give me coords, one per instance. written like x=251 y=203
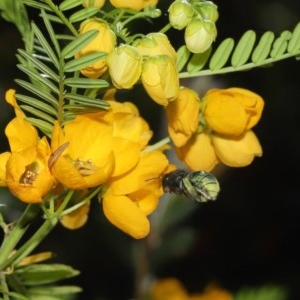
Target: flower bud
x=156 y=44
x=209 y=11
x=135 y=5
x=183 y=116
x=232 y=111
x=93 y=3
x=199 y=35
x=160 y=79
x=125 y=66
x=104 y=42
x=180 y=14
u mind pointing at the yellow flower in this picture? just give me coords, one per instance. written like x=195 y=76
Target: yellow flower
x=125 y=66
x=160 y=79
x=27 y=174
x=93 y=3
x=156 y=43
x=133 y=4
x=199 y=35
x=224 y=134
x=198 y=153
x=183 y=116
x=25 y=170
x=128 y=124
x=88 y=161
x=173 y=289
x=135 y=194
x=105 y=41
x=232 y=111
x=168 y=289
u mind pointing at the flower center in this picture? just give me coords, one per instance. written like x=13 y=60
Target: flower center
x=85 y=168
x=30 y=175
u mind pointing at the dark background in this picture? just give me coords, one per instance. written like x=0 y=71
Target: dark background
x=249 y=237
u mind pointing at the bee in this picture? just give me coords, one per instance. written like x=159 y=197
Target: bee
x=199 y=186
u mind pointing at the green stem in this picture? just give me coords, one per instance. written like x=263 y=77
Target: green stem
x=13 y=236
x=3 y=286
x=232 y=69
x=65 y=20
x=31 y=243
x=166 y=28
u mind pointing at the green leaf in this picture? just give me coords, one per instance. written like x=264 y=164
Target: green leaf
x=264 y=292
x=243 y=49
x=37 y=274
x=198 y=61
x=262 y=50
x=86 y=100
x=79 y=43
x=40 y=105
x=221 y=55
x=183 y=55
x=84 y=61
x=280 y=44
x=84 y=14
x=50 y=31
x=38 y=113
x=45 y=45
x=69 y=4
x=39 y=65
x=294 y=44
x=86 y=83
x=56 y=292
x=33 y=75
x=35 y=4
x=44 y=126
x=37 y=92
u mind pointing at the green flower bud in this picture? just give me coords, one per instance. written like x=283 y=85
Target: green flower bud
x=125 y=66
x=180 y=14
x=199 y=35
x=160 y=79
x=209 y=11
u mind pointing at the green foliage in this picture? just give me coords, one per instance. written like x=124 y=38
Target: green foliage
x=54 y=83
x=243 y=55
x=266 y=292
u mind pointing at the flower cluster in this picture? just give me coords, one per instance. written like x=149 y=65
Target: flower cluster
x=198 y=19
x=217 y=128
x=105 y=149
x=109 y=148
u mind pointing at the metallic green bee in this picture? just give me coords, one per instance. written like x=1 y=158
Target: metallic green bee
x=200 y=185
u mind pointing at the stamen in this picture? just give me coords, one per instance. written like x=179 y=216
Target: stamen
x=85 y=168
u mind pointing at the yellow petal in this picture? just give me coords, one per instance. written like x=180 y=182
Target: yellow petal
x=125 y=215
x=168 y=289
x=127 y=155
x=237 y=152
x=160 y=79
x=77 y=218
x=252 y=103
x=145 y=199
x=198 y=153
x=11 y=99
x=4 y=157
x=151 y=165
x=183 y=115
x=224 y=114
x=21 y=134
